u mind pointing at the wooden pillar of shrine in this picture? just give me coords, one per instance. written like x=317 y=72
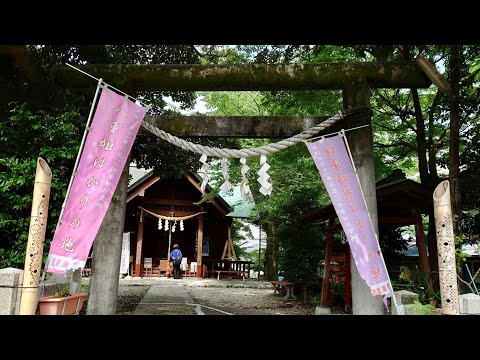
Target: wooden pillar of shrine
x=348 y=281
x=421 y=245
x=138 y=257
x=326 y=285
x=199 y=245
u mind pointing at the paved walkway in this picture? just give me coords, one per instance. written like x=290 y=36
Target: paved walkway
x=168 y=296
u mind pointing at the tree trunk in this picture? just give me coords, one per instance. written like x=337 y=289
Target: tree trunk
x=432 y=183
x=454 y=152
x=433 y=148
x=421 y=141
x=275 y=252
x=107 y=250
x=270 y=254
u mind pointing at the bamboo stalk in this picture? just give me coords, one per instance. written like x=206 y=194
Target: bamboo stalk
x=36 y=237
x=446 y=248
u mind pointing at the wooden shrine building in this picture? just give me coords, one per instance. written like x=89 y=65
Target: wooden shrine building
x=203 y=237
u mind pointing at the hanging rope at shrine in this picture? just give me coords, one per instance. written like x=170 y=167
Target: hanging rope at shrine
x=171 y=228
x=172 y=218
x=242 y=154
x=245 y=153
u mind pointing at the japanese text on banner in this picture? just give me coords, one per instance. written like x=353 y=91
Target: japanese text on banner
x=332 y=161
x=107 y=146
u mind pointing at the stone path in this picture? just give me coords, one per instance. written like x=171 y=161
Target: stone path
x=171 y=297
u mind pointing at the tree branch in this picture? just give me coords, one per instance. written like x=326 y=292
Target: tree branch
x=260 y=112
x=399 y=157
x=385 y=127
x=402 y=144
x=401 y=113
x=198 y=52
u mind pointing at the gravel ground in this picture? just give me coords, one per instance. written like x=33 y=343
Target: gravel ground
x=129 y=296
x=235 y=300
x=241 y=300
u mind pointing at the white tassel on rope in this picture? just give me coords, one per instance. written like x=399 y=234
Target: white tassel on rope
x=166 y=225
x=244 y=182
x=263 y=178
x=204 y=171
x=181 y=225
x=174 y=226
x=226 y=186
x=159 y=224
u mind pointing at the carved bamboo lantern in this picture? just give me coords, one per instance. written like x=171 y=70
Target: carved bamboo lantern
x=36 y=237
x=446 y=248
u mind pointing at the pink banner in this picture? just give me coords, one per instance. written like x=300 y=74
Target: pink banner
x=336 y=169
x=113 y=131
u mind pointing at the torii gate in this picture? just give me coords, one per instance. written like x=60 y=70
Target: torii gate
x=355 y=79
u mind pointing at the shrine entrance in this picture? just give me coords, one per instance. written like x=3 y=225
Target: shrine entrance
x=354 y=79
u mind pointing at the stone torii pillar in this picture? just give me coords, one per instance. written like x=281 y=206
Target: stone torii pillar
x=357 y=94
x=107 y=252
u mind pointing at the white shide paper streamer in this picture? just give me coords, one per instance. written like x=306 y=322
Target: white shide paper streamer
x=263 y=178
x=204 y=171
x=226 y=186
x=244 y=182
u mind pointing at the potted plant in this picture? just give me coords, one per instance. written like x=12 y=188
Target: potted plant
x=64 y=300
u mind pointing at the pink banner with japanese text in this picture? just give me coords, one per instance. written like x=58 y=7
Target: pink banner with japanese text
x=107 y=146
x=337 y=172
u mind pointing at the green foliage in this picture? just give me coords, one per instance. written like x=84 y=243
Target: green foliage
x=406 y=274
x=46 y=56
x=224 y=103
x=148 y=151
x=240 y=232
x=252 y=256
x=392 y=244
x=417 y=283
x=474 y=68
x=460 y=255
x=469 y=181
x=68 y=286
x=299 y=263
x=51 y=126
x=423 y=309
x=63 y=291
x=25 y=136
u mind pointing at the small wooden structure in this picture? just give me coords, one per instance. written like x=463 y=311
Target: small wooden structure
x=400 y=202
x=284 y=287
x=336 y=269
x=228 y=250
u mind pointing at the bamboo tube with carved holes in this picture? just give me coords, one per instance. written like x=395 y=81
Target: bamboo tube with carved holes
x=446 y=248
x=36 y=237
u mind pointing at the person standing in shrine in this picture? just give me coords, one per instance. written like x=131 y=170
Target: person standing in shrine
x=176 y=258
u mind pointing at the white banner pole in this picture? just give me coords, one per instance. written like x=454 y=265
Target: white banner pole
x=87 y=129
